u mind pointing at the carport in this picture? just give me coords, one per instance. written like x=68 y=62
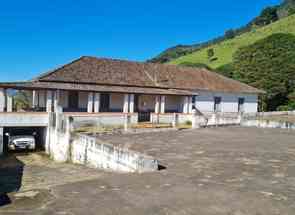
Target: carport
x=39 y=133
x=18 y=123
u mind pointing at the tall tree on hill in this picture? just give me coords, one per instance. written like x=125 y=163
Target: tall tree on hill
x=268 y=15
x=269 y=64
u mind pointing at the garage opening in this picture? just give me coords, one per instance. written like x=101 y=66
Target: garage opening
x=24 y=139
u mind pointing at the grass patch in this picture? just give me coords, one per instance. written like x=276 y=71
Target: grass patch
x=224 y=51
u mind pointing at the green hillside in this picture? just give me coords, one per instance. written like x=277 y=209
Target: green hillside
x=223 y=52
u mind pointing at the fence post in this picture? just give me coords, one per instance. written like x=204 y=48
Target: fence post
x=195 y=123
x=127 y=121
x=175 y=120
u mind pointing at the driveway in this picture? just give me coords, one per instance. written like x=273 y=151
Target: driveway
x=230 y=171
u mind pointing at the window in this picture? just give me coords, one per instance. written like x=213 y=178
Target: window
x=241 y=105
x=217 y=104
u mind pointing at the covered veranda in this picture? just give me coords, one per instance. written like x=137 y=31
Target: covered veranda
x=83 y=99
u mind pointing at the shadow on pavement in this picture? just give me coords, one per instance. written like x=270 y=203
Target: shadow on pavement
x=11 y=172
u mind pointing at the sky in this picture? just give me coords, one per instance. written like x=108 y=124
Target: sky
x=40 y=35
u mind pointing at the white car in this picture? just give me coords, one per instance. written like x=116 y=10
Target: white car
x=21 y=142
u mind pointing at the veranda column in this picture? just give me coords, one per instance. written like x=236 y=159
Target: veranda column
x=49 y=101
x=157 y=105
x=126 y=103
x=1 y=140
x=56 y=101
x=163 y=100
x=185 y=104
x=2 y=100
x=9 y=102
x=131 y=103
x=96 y=102
x=90 y=103
x=34 y=99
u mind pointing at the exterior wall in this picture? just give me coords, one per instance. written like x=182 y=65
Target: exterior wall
x=174 y=104
x=64 y=99
x=116 y=102
x=229 y=102
x=42 y=98
x=83 y=100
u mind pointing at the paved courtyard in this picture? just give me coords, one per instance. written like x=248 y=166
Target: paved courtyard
x=224 y=171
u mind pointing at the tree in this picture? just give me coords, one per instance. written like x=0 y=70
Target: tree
x=210 y=53
x=269 y=64
x=267 y=16
x=230 y=34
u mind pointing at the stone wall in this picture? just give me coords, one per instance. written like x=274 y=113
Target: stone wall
x=90 y=151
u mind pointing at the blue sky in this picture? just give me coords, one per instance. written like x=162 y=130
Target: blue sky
x=40 y=35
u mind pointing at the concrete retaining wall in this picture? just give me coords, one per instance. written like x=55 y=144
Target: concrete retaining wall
x=90 y=151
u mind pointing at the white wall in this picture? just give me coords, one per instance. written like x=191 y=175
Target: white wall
x=229 y=102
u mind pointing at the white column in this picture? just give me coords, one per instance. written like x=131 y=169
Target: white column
x=96 y=102
x=163 y=99
x=157 y=105
x=1 y=140
x=49 y=101
x=56 y=101
x=131 y=103
x=190 y=104
x=9 y=103
x=2 y=100
x=34 y=99
x=90 y=103
x=185 y=104
x=126 y=103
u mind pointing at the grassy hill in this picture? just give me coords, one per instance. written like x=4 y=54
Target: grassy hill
x=225 y=50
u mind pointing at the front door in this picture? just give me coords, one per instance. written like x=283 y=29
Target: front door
x=144 y=114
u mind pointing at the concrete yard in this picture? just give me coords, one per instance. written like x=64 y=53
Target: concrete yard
x=224 y=171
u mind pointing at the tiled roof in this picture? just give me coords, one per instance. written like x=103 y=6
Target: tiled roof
x=108 y=75
x=94 y=88
x=93 y=70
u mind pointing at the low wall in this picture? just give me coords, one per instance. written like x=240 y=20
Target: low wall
x=267 y=124
x=223 y=119
x=169 y=118
x=90 y=151
x=107 y=119
x=264 y=114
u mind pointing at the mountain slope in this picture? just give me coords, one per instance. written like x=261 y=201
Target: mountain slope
x=224 y=51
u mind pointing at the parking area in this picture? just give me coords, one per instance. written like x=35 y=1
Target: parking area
x=230 y=171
